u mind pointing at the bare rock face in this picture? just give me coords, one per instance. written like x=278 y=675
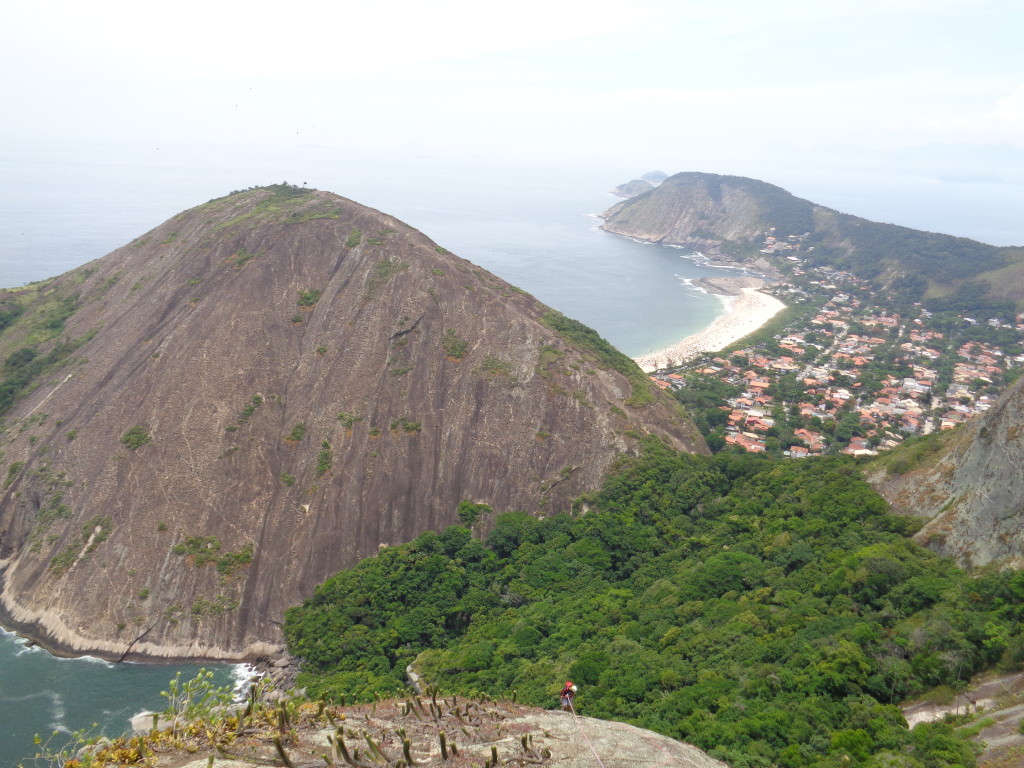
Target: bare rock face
x=971 y=493
x=266 y=389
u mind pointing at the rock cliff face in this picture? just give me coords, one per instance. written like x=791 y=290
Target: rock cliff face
x=268 y=388
x=971 y=493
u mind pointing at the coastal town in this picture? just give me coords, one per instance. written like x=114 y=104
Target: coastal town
x=836 y=368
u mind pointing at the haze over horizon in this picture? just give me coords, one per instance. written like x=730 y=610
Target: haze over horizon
x=831 y=102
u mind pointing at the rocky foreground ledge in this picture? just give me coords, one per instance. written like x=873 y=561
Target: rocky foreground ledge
x=427 y=731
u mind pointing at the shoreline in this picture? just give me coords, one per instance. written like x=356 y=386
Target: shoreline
x=748 y=311
x=49 y=632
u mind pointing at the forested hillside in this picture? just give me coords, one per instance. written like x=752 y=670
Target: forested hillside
x=770 y=613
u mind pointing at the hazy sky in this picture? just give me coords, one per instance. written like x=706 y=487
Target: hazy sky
x=778 y=90
x=553 y=77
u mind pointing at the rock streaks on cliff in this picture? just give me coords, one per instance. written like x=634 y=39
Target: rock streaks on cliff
x=972 y=492
x=268 y=388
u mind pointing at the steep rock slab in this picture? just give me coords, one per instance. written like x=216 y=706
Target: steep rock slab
x=266 y=389
x=971 y=493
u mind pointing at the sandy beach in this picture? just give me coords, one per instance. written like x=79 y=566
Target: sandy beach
x=748 y=311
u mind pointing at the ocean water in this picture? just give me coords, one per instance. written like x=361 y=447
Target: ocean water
x=41 y=694
x=533 y=226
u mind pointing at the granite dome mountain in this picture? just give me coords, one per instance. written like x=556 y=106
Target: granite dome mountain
x=205 y=423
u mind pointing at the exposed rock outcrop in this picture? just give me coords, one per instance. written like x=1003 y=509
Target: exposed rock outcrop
x=971 y=492
x=390 y=730
x=268 y=388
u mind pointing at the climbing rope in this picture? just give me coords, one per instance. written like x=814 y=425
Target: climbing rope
x=583 y=733
x=669 y=759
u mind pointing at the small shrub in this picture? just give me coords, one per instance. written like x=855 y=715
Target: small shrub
x=98 y=529
x=348 y=419
x=296 y=319
x=298 y=432
x=900 y=466
x=493 y=368
x=411 y=427
x=203 y=549
x=244 y=257
x=12 y=472
x=228 y=563
x=308 y=298
x=135 y=438
x=383 y=271
x=67 y=557
x=143 y=594
x=250 y=409
x=287 y=479
x=354 y=239
x=325 y=459
x=453 y=346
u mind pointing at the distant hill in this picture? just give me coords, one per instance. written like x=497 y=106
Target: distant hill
x=633 y=188
x=732 y=216
x=645 y=183
x=207 y=422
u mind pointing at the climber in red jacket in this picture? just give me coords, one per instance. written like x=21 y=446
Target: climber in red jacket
x=567 y=694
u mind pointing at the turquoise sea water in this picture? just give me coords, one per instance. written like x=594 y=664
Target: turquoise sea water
x=40 y=694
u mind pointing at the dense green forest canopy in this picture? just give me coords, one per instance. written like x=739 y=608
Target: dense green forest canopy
x=772 y=613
